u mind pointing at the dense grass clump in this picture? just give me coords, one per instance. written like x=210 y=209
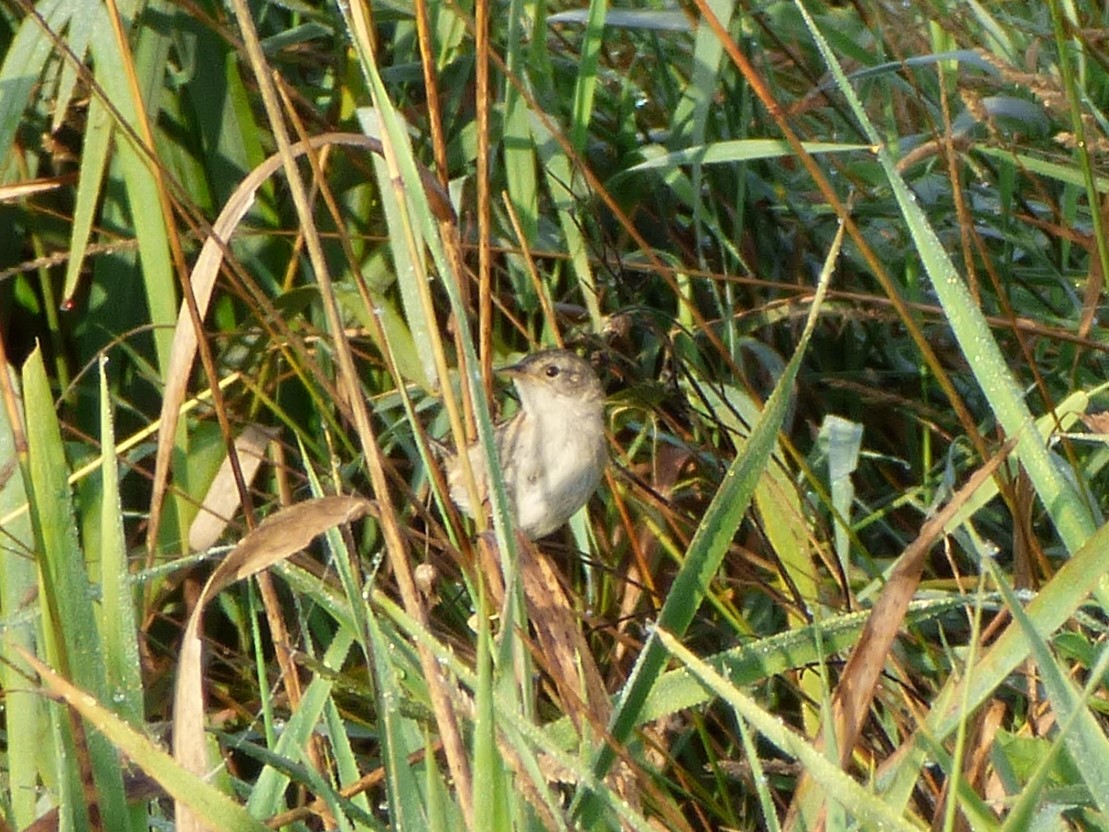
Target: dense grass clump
x=840 y=268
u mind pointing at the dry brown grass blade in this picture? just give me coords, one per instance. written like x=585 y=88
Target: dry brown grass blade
x=568 y=660
x=646 y=547
x=221 y=503
x=482 y=101
x=565 y=651
x=279 y=536
x=1095 y=282
x=978 y=773
x=857 y=684
x=860 y=676
x=32 y=187
x=203 y=280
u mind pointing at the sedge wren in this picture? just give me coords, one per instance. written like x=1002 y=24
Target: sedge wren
x=552 y=452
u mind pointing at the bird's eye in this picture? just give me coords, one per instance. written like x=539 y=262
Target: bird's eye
x=552 y=371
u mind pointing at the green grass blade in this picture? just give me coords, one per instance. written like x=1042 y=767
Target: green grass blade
x=118 y=629
x=760 y=660
x=838 y=786
x=398 y=735
x=23 y=64
x=345 y=760
x=1042 y=167
x=707 y=549
x=776 y=497
x=586 y=85
x=409 y=272
x=1068 y=509
x=94 y=166
x=218 y=810
x=70 y=622
x=268 y=795
x=27 y=722
x=490 y=796
x=730 y=152
x=1083 y=736
x=519 y=154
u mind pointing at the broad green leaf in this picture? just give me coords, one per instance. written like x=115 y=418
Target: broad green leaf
x=69 y=620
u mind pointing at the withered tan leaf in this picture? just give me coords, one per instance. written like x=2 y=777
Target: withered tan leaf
x=279 y=536
x=222 y=502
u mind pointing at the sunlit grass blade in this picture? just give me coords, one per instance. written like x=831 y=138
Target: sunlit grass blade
x=763 y=659
x=490 y=798
x=117 y=613
x=131 y=170
x=206 y=800
x=23 y=63
x=73 y=644
x=730 y=152
x=94 y=167
x=838 y=786
x=399 y=737
x=1080 y=730
x=586 y=84
x=268 y=795
x=1053 y=605
x=776 y=497
x=410 y=272
x=26 y=718
x=519 y=155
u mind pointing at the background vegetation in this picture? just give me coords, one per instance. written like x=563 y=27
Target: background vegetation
x=847 y=569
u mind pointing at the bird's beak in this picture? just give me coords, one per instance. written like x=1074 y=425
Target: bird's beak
x=512 y=370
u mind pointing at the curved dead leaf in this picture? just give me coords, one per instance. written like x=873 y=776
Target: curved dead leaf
x=202 y=281
x=279 y=536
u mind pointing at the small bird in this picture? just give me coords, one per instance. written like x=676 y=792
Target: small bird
x=552 y=452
